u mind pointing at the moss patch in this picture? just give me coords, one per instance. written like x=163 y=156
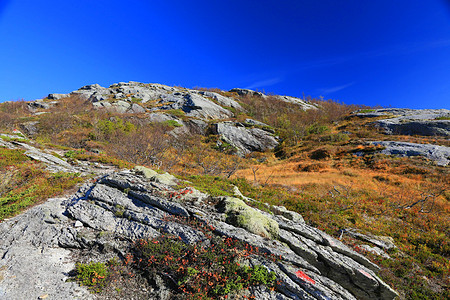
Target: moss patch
x=241 y=215
x=147 y=172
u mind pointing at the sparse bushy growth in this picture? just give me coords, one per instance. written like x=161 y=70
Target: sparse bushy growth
x=172 y=123
x=92 y=275
x=447 y=117
x=200 y=272
x=24 y=182
x=290 y=121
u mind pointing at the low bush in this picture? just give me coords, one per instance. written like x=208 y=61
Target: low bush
x=172 y=123
x=92 y=275
x=26 y=182
x=200 y=272
x=447 y=117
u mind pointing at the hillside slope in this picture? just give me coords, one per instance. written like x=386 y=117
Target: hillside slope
x=366 y=192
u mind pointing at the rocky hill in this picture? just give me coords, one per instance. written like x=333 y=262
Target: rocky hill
x=274 y=197
x=102 y=218
x=198 y=107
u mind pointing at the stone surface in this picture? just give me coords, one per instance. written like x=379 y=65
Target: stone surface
x=30 y=128
x=383 y=242
x=29 y=243
x=439 y=154
x=224 y=101
x=375 y=250
x=40 y=104
x=53 y=163
x=411 y=121
x=200 y=107
x=303 y=104
x=128 y=205
x=240 y=214
x=290 y=215
x=245 y=140
x=146 y=172
x=246 y=92
x=57 y=96
x=127 y=97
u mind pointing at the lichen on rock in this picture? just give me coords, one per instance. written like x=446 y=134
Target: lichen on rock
x=240 y=214
x=166 y=178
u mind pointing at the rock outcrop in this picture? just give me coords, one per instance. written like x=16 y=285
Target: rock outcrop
x=245 y=139
x=303 y=104
x=54 y=162
x=192 y=109
x=124 y=206
x=428 y=122
x=439 y=154
x=135 y=97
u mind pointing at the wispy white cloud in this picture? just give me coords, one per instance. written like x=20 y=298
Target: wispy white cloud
x=264 y=83
x=335 y=89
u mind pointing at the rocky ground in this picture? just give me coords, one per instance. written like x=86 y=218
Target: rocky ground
x=439 y=154
x=426 y=122
x=103 y=217
x=39 y=248
x=413 y=122
x=198 y=109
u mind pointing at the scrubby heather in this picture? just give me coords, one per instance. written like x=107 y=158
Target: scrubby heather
x=267 y=197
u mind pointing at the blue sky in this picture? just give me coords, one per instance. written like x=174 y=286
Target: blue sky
x=384 y=52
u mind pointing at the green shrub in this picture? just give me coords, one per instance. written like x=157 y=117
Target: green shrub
x=317 y=129
x=92 y=275
x=172 y=123
x=176 y=112
x=201 y=273
x=364 y=111
x=73 y=153
x=213 y=185
x=107 y=127
x=136 y=100
x=447 y=117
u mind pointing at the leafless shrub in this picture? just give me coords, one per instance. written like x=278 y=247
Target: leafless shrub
x=10 y=112
x=143 y=146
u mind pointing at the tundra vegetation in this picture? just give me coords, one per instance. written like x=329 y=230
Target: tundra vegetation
x=322 y=169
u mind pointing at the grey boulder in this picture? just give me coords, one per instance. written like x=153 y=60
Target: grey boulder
x=439 y=154
x=427 y=122
x=245 y=140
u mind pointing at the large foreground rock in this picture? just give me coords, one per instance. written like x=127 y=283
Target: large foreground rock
x=32 y=263
x=38 y=248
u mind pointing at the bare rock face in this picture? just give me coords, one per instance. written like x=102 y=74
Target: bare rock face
x=428 y=122
x=157 y=101
x=303 y=104
x=32 y=263
x=127 y=98
x=439 y=154
x=245 y=139
x=125 y=206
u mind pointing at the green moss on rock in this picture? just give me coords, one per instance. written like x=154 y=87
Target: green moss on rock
x=241 y=215
x=148 y=173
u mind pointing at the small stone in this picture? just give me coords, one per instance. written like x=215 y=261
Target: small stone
x=78 y=224
x=45 y=296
